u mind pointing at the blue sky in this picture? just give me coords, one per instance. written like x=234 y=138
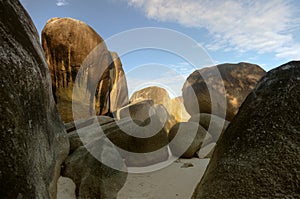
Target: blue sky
x=266 y=32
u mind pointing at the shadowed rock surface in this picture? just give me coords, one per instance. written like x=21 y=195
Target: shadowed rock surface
x=238 y=79
x=258 y=154
x=92 y=178
x=215 y=126
x=140 y=110
x=206 y=151
x=159 y=96
x=139 y=143
x=74 y=50
x=32 y=139
x=212 y=123
x=186 y=139
x=143 y=110
x=72 y=126
x=164 y=117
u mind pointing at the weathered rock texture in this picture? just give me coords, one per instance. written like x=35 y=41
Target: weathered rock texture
x=32 y=139
x=158 y=96
x=178 y=110
x=140 y=110
x=92 y=178
x=143 y=110
x=119 y=91
x=215 y=126
x=139 y=143
x=186 y=139
x=89 y=169
x=72 y=46
x=238 y=79
x=258 y=154
x=212 y=123
x=155 y=93
x=89 y=134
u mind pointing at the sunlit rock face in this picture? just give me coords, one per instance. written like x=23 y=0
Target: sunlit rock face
x=232 y=82
x=33 y=139
x=178 y=110
x=119 y=91
x=74 y=51
x=258 y=154
x=159 y=96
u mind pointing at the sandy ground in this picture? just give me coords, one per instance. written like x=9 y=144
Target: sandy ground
x=178 y=180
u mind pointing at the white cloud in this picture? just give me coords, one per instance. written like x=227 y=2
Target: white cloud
x=62 y=3
x=182 y=69
x=241 y=25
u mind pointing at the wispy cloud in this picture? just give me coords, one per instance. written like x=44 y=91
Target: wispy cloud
x=62 y=3
x=235 y=25
x=183 y=68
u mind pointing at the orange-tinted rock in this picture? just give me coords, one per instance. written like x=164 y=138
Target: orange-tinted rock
x=178 y=110
x=119 y=92
x=258 y=154
x=159 y=96
x=69 y=45
x=238 y=80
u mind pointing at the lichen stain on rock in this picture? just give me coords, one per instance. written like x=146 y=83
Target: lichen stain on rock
x=70 y=44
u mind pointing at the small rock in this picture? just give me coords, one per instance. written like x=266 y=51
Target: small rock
x=206 y=151
x=186 y=138
x=187 y=165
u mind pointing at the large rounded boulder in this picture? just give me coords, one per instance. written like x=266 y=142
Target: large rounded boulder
x=33 y=139
x=74 y=51
x=238 y=80
x=258 y=154
x=92 y=178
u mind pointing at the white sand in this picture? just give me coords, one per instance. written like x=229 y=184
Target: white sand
x=171 y=182
x=178 y=180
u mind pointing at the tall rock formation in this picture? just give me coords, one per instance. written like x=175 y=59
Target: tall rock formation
x=119 y=92
x=72 y=46
x=32 y=139
x=258 y=154
x=238 y=80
